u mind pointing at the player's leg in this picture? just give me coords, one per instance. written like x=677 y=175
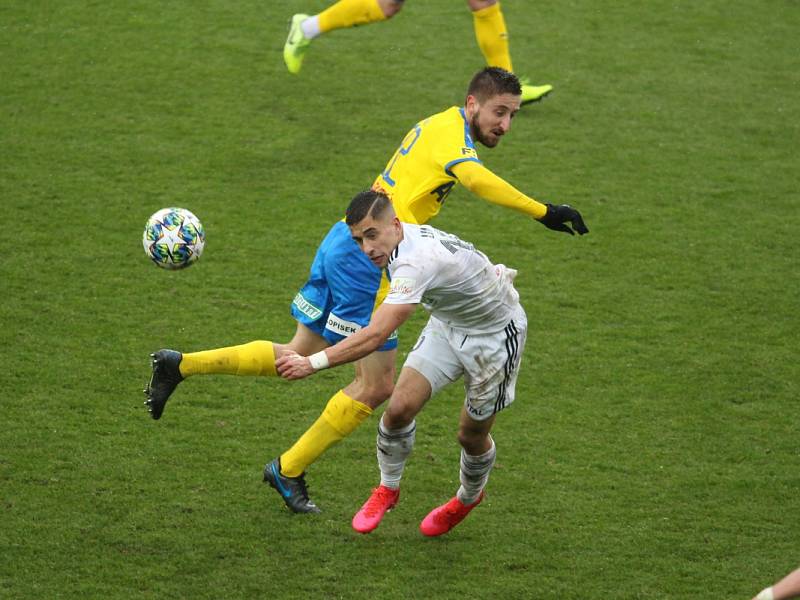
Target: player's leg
x=395 y=441
x=477 y=460
x=355 y=288
x=342 y=415
x=309 y=308
x=491 y=365
x=344 y=412
x=430 y=366
x=345 y=13
x=491 y=33
x=256 y=358
x=492 y=37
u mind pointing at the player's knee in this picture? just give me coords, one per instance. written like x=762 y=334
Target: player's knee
x=390 y=7
x=472 y=441
x=372 y=391
x=384 y=389
x=398 y=415
x=376 y=392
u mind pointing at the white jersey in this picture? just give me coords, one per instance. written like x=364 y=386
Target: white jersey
x=452 y=280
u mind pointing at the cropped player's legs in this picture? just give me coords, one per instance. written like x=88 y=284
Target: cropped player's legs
x=345 y=13
x=410 y=395
x=477 y=460
x=477 y=456
x=489 y=364
x=491 y=33
x=395 y=441
x=492 y=37
x=341 y=416
x=255 y=358
x=344 y=412
x=349 y=13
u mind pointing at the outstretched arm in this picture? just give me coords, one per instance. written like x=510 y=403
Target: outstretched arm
x=384 y=322
x=482 y=182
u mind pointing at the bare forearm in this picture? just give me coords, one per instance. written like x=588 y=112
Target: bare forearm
x=365 y=341
x=357 y=346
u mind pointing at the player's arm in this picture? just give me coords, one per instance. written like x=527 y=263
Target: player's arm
x=482 y=182
x=788 y=587
x=384 y=322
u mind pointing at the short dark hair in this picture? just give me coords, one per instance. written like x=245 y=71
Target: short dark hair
x=493 y=81
x=367 y=203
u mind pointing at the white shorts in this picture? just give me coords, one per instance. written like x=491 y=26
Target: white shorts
x=489 y=362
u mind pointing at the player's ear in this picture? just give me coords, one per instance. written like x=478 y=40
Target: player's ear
x=472 y=104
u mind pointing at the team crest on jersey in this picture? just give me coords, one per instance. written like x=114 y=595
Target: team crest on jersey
x=403 y=286
x=466 y=151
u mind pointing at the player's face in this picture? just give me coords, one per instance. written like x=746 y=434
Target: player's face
x=491 y=119
x=378 y=238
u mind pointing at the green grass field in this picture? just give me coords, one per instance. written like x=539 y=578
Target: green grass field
x=652 y=450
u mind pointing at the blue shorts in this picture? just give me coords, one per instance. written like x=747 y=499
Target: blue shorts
x=343 y=289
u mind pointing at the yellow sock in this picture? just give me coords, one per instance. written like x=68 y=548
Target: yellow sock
x=490 y=31
x=339 y=419
x=255 y=358
x=347 y=13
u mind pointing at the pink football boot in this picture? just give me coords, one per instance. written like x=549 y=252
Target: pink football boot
x=443 y=518
x=369 y=517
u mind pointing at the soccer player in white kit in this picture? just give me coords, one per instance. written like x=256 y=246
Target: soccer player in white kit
x=477 y=330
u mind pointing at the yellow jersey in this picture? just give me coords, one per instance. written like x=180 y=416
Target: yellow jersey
x=418 y=177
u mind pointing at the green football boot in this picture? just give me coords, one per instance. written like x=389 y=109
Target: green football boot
x=296 y=45
x=534 y=93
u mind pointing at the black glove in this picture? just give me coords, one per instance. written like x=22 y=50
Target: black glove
x=558 y=214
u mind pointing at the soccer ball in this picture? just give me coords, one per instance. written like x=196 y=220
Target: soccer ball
x=173 y=238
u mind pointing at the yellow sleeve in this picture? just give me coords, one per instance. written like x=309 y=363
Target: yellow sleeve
x=482 y=182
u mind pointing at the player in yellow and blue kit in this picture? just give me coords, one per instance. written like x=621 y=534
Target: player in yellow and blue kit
x=488 y=21
x=344 y=287
x=342 y=291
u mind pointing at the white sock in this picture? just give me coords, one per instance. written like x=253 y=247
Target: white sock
x=475 y=474
x=310 y=27
x=393 y=448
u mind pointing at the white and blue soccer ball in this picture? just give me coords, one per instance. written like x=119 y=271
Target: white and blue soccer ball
x=173 y=238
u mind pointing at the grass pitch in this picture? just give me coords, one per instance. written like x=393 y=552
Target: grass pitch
x=651 y=452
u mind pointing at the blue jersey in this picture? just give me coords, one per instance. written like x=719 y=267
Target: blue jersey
x=343 y=289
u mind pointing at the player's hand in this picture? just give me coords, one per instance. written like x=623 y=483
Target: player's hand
x=558 y=215
x=293 y=366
